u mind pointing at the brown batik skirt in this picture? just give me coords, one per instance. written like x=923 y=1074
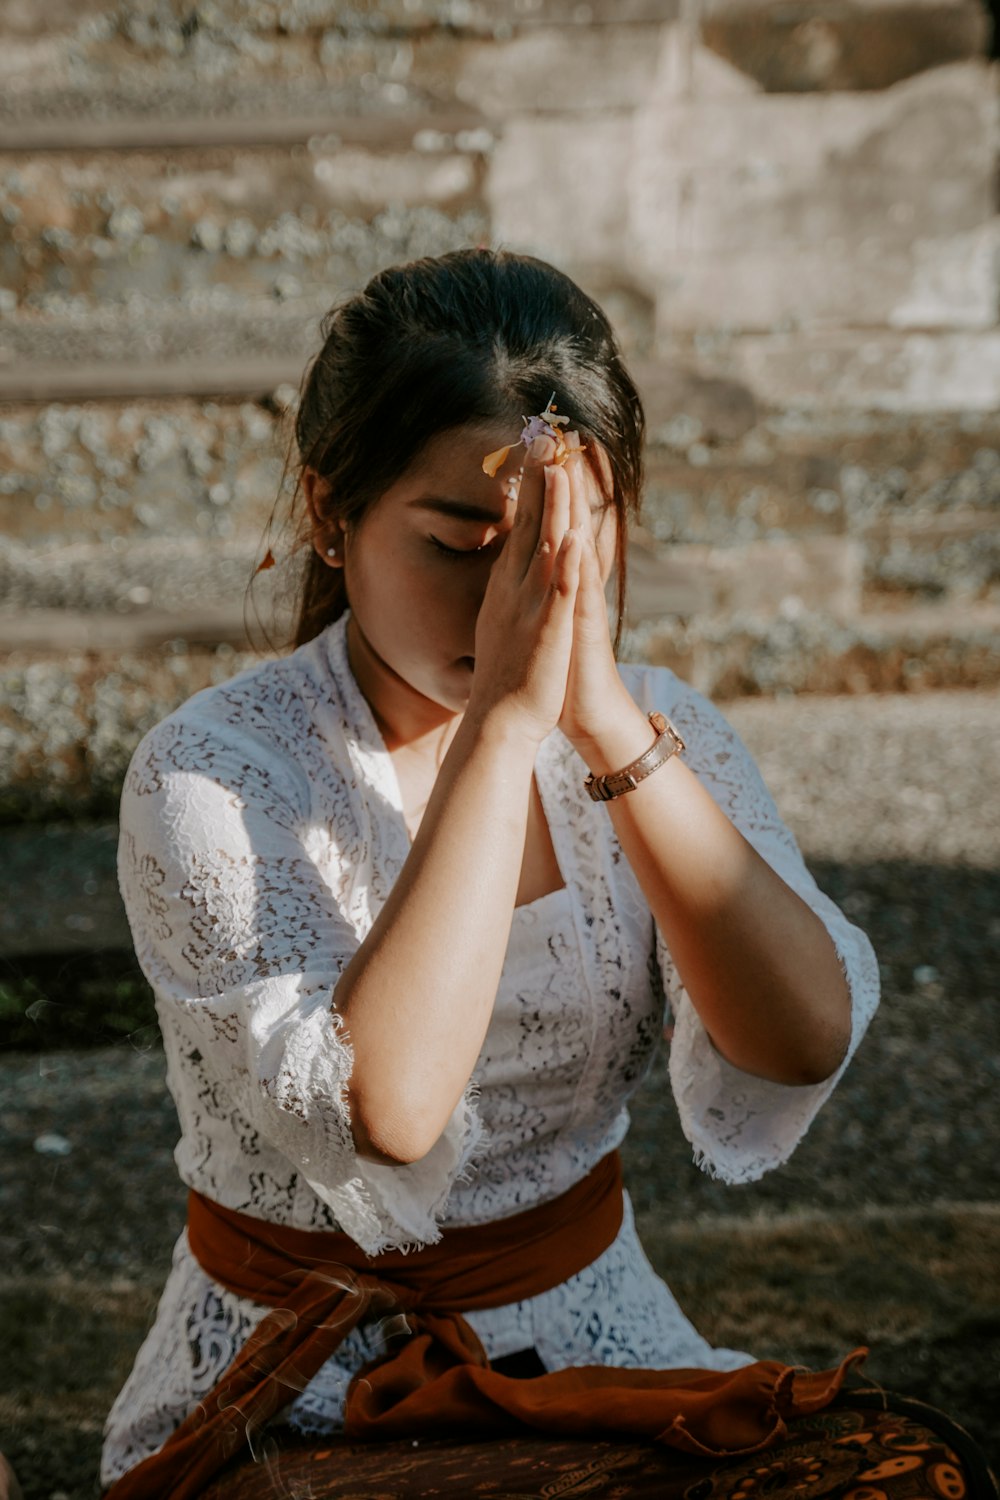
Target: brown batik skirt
x=867 y=1445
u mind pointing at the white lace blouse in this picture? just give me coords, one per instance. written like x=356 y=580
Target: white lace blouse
x=261 y=831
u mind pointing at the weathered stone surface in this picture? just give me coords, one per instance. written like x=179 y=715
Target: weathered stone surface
x=271 y=377
x=918 y=493
x=919 y=496
x=709 y=201
x=114 y=474
x=123 y=62
x=949 y=281
x=575 y=226
x=580 y=70
x=171 y=576
x=880 y=371
x=953 y=282
x=212 y=326
x=758 y=580
x=803 y=46
x=868 y=780
x=905 y=651
x=90 y=23
x=725 y=498
x=69 y=723
x=118 y=227
x=930 y=557
x=136 y=630
x=912 y=164
x=710 y=408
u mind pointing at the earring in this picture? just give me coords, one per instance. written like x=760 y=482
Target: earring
x=331 y=551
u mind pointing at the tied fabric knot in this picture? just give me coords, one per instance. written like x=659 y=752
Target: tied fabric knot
x=434 y=1378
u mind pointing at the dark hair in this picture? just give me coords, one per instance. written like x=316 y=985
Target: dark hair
x=473 y=336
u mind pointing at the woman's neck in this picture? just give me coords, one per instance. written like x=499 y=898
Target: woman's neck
x=406 y=719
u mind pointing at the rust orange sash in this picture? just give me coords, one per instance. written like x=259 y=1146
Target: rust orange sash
x=435 y=1379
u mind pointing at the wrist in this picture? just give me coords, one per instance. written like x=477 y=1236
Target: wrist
x=623 y=734
x=502 y=728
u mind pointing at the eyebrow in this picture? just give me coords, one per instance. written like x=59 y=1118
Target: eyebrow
x=460 y=509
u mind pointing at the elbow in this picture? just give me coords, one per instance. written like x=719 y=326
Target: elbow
x=824 y=1059
x=810 y=1074
x=391 y=1135
x=804 y=1063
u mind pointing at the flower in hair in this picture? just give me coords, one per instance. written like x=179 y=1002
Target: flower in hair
x=547 y=424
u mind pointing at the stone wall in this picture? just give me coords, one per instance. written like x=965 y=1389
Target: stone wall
x=788 y=209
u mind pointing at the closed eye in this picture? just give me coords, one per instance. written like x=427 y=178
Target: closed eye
x=459 y=552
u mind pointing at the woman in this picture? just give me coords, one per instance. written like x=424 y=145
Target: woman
x=409 y=971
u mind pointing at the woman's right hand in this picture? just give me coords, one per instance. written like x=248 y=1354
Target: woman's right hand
x=524 y=632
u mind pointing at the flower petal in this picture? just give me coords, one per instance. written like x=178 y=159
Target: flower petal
x=493 y=461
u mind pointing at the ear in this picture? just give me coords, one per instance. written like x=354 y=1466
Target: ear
x=327 y=527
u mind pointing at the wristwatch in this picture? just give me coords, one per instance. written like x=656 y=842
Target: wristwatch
x=616 y=783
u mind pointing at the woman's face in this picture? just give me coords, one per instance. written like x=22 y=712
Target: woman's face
x=417 y=564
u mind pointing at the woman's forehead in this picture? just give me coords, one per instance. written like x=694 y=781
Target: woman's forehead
x=450 y=465
x=459 y=447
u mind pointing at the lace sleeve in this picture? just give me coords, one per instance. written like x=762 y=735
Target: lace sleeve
x=741 y=1126
x=240 y=909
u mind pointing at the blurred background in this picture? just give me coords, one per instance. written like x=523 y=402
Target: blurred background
x=789 y=209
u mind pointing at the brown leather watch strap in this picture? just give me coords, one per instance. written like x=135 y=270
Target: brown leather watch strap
x=616 y=783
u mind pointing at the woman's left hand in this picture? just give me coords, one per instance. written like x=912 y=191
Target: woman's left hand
x=595 y=693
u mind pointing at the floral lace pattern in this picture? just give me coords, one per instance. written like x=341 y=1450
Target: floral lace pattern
x=262 y=829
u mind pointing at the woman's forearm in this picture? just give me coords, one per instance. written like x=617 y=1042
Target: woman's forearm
x=758 y=964
x=418 y=996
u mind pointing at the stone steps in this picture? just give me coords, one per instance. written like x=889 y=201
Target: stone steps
x=706 y=167
x=121 y=65
x=91 y=231
x=123 y=60
x=186 y=196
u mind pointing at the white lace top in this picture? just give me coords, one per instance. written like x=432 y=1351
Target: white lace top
x=261 y=830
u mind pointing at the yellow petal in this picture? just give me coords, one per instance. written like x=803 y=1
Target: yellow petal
x=569 y=447
x=493 y=461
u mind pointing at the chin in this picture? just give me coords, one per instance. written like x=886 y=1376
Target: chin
x=455 y=692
